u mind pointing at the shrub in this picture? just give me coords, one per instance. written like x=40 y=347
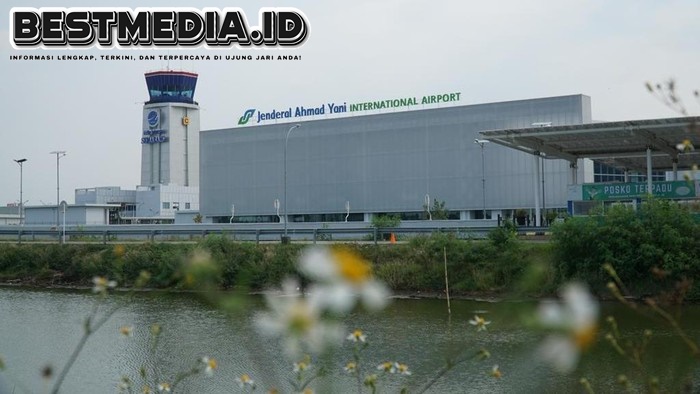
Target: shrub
x=660 y=235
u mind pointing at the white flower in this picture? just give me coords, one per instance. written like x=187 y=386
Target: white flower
x=245 y=380
x=209 y=365
x=102 y=284
x=342 y=279
x=575 y=321
x=357 y=336
x=164 y=387
x=496 y=372
x=297 y=320
x=387 y=366
x=402 y=369
x=479 y=322
x=302 y=365
x=350 y=367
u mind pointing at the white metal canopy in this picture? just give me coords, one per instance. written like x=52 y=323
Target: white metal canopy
x=622 y=144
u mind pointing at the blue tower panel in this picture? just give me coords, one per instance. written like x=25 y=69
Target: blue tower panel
x=171 y=87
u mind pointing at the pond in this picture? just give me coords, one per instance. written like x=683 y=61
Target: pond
x=42 y=327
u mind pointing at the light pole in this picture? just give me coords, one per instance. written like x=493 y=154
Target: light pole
x=286 y=141
x=21 y=200
x=481 y=143
x=59 y=154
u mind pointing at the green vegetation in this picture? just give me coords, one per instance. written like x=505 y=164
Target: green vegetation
x=651 y=249
x=418 y=265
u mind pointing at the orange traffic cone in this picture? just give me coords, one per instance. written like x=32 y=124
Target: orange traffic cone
x=392 y=238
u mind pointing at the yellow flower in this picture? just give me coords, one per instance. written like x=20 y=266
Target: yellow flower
x=357 y=335
x=126 y=330
x=210 y=365
x=351 y=267
x=479 y=322
x=146 y=389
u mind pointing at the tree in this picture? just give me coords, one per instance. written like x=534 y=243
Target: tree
x=437 y=211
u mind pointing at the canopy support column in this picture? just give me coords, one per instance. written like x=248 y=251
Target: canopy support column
x=649 y=184
x=537 y=189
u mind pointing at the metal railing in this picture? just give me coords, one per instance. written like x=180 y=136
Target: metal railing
x=263 y=233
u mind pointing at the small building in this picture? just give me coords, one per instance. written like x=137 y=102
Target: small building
x=9 y=215
x=83 y=214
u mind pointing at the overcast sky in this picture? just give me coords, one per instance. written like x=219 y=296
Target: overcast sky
x=356 y=51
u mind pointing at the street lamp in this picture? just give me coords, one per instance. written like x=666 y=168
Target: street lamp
x=483 y=177
x=21 y=201
x=286 y=141
x=59 y=154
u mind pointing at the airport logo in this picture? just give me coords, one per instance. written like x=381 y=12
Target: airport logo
x=153 y=119
x=185 y=27
x=246 y=116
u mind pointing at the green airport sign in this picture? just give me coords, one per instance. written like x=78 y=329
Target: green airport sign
x=621 y=191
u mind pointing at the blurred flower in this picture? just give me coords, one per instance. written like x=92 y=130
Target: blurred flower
x=350 y=367
x=402 y=369
x=483 y=354
x=356 y=336
x=496 y=372
x=479 y=322
x=302 y=365
x=210 y=365
x=387 y=366
x=297 y=320
x=126 y=330
x=685 y=146
x=308 y=391
x=119 y=250
x=156 y=329
x=102 y=284
x=371 y=380
x=146 y=389
x=124 y=384
x=164 y=387
x=342 y=277
x=575 y=322
x=245 y=380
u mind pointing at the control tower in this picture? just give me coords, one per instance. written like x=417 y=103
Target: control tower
x=170 y=139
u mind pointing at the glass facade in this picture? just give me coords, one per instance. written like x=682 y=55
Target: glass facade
x=605 y=173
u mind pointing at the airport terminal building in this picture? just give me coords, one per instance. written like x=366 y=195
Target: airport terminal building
x=387 y=163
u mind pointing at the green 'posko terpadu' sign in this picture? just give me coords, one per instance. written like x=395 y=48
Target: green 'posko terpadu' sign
x=619 y=191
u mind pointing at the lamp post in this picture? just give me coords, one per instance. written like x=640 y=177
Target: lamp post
x=286 y=141
x=59 y=154
x=481 y=143
x=21 y=200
